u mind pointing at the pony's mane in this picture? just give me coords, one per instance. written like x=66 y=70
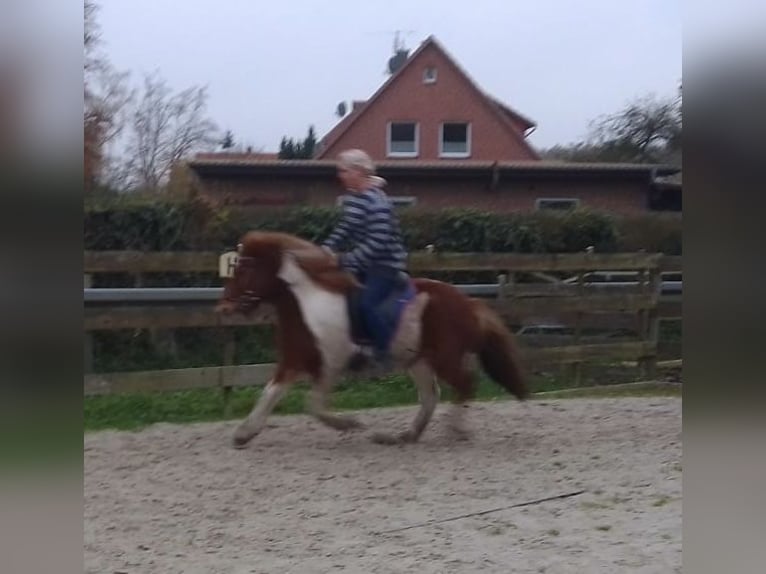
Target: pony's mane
x=256 y=243
x=311 y=258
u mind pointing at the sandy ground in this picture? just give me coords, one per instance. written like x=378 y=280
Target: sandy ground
x=303 y=498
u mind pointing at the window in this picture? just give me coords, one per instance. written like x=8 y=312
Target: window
x=557 y=204
x=403 y=200
x=455 y=140
x=403 y=139
x=429 y=75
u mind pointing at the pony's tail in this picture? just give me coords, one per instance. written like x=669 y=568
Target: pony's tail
x=498 y=353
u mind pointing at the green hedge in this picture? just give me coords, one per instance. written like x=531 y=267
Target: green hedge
x=149 y=224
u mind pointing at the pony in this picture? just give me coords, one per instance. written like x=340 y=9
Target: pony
x=438 y=331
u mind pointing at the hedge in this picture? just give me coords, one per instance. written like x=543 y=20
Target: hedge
x=152 y=224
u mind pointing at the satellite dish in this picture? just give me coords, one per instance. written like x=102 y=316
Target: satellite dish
x=397 y=60
x=340 y=111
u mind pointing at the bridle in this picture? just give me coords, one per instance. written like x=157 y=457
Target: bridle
x=248 y=300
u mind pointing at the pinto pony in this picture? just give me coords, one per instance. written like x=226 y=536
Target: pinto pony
x=438 y=330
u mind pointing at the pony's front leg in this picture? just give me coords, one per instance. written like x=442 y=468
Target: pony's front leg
x=317 y=404
x=256 y=420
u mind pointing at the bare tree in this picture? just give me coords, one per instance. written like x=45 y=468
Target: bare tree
x=91 y=33
x=165 y=127
x=106 y=98
x=646 y=130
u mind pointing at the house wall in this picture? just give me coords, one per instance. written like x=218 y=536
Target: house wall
x=617 y=196
x=450 y=98
x=623 y=197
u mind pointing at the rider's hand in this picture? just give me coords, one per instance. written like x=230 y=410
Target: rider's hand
x=332 y=254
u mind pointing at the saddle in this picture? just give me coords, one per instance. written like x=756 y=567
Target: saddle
x=390 y=309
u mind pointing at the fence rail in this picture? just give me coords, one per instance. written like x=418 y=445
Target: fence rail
x=233 y=376
x=643 y=302
x=514 y=309
x=207 y=261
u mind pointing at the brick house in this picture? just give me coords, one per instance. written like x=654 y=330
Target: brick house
x=440 y=142
x=430 y=109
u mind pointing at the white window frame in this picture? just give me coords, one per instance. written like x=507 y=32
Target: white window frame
x=430 y=78
x=455 y=154
x=540 y=200
x=390 y=153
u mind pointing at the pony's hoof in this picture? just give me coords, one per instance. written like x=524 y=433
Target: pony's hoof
x=343 y=424
x=240 y=441
x=385 y=438
x=459 y=434
x=389 y=439
x=350 y=424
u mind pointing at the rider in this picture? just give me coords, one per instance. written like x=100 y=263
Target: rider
x=375 y=252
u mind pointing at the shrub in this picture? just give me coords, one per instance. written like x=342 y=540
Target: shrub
x=172 y=224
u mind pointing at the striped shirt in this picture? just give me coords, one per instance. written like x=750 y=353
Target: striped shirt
x=370 y=228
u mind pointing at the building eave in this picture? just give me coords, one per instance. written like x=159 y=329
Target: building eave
x=223 y=167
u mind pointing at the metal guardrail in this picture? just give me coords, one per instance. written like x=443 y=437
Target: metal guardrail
x=152 y=295
x=205 y=294
x=143 y=295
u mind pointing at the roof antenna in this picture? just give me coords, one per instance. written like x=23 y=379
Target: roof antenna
x=398 y=42
x=400 y=52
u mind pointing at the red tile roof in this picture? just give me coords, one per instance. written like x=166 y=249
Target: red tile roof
x=221 y=155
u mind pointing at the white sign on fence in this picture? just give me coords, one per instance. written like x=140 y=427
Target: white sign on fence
x=226 y=264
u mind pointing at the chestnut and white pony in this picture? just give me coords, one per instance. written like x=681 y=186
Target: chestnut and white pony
x=438 y=331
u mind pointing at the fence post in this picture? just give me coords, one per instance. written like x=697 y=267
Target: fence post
x=502 y=280
x=577 y=366
x=229 y=351
x=163 y=340
x=651 y=325
x=87 y=345
x=510 y=284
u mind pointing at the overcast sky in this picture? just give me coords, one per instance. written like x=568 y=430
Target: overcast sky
x=274 y=68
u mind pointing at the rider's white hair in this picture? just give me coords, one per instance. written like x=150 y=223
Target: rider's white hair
x=358 y=160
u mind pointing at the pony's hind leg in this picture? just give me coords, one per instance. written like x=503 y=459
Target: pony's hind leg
x=455 y=372
x=428 y=395
x=317 y=405
x=256 y=420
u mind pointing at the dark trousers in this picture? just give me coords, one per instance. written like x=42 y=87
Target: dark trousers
x=379 y=283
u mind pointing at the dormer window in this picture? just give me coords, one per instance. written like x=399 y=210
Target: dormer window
x=455 y=140
x=402 y=139
x=429 y=75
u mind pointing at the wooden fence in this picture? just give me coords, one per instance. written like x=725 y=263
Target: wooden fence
x=515 y=301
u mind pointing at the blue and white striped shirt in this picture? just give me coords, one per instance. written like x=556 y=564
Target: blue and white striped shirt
x=368 y=226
